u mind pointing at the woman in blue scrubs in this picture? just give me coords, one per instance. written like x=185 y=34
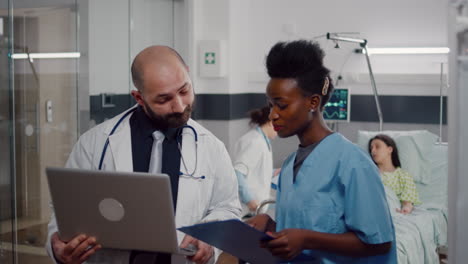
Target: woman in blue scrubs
x=331 y=205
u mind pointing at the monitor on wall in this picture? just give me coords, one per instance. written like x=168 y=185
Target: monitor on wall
x=338 y=107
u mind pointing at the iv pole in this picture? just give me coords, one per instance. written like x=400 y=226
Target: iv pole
x=363 y=44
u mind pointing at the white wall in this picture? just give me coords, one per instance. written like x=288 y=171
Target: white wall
x=118 y=31
x=251 y=27
x=384 y=24
x=211 y=23
x=152 y=22
x=108 y=47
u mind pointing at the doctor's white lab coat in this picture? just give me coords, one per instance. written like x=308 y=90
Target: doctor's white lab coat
x=252 y=157
x=213 y=198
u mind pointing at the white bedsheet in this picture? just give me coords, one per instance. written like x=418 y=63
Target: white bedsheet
x=420 y=233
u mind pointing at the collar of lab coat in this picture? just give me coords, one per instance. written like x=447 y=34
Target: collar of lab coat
x=120 y=143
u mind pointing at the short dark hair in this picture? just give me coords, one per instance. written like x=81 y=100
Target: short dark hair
x=301 y=60
x=137 y=77
x=390 y=143
x=260 y=116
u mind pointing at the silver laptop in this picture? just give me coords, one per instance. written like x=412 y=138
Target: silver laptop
x=123 y=210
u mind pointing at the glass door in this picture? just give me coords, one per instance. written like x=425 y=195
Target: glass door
x=64 y=67
x=7 y=239
x=39 y=118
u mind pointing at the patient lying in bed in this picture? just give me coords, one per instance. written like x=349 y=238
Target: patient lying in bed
x=421 y=232
x=384 y=152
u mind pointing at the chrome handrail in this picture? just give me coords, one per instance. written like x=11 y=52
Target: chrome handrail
x=262 y=204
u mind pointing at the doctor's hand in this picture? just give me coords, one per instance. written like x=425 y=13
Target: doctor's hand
x=204 y=251
x=262 y=222
x=286 y=244
x=77 y=250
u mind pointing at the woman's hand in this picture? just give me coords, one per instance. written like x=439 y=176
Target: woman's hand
x=262 y=222
x=406 y=208
x=286 y=244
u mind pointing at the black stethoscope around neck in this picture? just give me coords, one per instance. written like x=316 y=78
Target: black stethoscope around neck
x=179 y=137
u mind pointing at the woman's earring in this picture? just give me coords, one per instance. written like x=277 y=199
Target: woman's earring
x=312 y=110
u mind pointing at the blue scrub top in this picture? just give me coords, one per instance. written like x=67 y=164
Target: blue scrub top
x=337 y=190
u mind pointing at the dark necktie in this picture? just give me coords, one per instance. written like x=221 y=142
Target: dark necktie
x=171 y=161
x=170 y=164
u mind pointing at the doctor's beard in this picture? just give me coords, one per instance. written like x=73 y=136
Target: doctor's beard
x=174 y=120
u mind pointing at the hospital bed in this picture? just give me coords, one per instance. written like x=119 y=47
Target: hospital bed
x=421 y=234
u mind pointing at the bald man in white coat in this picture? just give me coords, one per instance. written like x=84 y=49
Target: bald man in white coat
x=165 y=97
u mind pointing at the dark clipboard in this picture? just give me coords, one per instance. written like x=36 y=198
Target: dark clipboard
x=234 y=237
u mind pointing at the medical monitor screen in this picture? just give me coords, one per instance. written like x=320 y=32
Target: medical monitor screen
x=338 y=107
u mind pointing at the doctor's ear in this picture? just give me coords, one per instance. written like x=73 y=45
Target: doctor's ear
x=138 y=97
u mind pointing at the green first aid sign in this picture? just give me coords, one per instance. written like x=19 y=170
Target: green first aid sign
x=210 y=58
